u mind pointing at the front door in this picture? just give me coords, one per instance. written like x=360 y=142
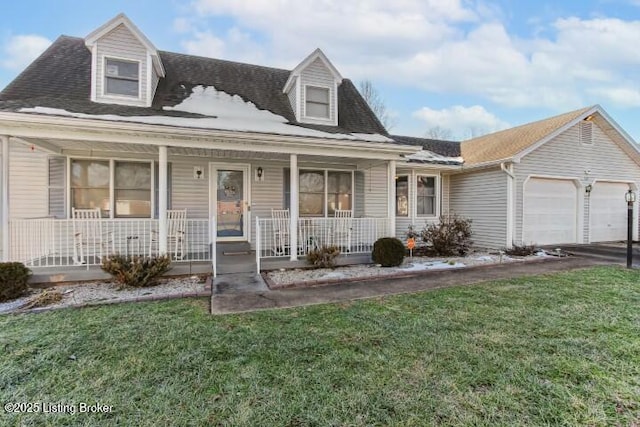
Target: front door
x=230 y=201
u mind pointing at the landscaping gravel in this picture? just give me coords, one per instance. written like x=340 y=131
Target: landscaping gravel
x=296 y=276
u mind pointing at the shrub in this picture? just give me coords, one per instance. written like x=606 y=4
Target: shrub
x=450 y=236
x=136 y=271
x=388 y=252
x=521 y=250
x=13 y=280
x=44 y=298
x=323 y=257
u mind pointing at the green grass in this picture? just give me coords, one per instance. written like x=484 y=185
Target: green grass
x=562 y=349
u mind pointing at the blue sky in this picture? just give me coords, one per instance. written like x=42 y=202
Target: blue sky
x=455 y=68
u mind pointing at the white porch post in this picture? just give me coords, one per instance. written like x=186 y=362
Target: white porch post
x=391 y=193
x=4 y=214
x=293 y=207
x=162 y=199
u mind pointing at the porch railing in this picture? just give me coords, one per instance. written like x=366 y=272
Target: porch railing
x=49 y=242
x=352 y=236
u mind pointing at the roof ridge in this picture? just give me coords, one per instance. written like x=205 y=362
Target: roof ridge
x=208 y=58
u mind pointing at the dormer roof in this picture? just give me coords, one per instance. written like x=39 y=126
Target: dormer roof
x=316 y=54
x=122 y=19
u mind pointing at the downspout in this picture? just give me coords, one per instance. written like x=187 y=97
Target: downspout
x=508 y=169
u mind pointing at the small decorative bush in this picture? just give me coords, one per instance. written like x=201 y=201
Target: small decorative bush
x=520 y=250
x=411 y=233
x=136 y=271
x=13 y=280
x=324 y=257
x=449 y=237
x=388 y=252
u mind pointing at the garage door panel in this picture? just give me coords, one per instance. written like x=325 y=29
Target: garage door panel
x=550 y=211
x=608 y=211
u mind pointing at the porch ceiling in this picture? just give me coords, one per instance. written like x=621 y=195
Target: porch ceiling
x=107 y=149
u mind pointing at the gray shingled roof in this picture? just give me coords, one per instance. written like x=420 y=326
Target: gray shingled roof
x=61 y=78
x=438 y=146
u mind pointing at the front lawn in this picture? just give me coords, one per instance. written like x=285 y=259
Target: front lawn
x=556 y=350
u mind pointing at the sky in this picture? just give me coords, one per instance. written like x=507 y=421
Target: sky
x=446 y=68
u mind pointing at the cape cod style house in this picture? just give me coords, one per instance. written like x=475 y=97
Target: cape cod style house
x=109 y=145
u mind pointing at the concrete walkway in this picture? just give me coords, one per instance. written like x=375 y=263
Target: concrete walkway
x=239 y=302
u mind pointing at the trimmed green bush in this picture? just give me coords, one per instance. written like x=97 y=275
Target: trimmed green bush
x=13 y=280
x=388 y=252
x=324 y=257
x=449 y=237
x=136 y=271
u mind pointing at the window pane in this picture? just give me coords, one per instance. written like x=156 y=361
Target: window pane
x=117 y=68
x=132 y=189
x=122 y=87
x=426 y=186
x=133 y=203
x=91 y=198
x=89 y=173
x=311 y=181
x=426 y=199
x=133 y=175
x=339 y=182
x=338 y=201
x=311 y=204
x=317 y=110
x=318 y=94
x=402 y=196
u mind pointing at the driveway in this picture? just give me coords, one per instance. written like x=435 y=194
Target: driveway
x=613 y=252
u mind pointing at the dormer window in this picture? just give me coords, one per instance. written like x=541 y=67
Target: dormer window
x=122 y=78
x=317 y=102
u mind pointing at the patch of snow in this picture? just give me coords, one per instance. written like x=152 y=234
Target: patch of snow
x=224 y=111
x=430 y=156
x=541 y=253
x=333 y=275
x=438 y=265
x=484 y=258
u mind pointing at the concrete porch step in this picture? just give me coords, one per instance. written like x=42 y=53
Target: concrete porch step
x=235 y=257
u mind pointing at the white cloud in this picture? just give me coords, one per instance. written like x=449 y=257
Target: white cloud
x=462 y=121
x=20 y=50
x=456 y=47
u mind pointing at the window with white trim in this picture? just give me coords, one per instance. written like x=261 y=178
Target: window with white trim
x=132 y=189
x=321 y=191
x=402 y=196
x=317 y=102
x=91 y=183
x=425 y=195
x=122 y=78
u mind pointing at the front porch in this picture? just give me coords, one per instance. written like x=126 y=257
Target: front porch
x=51 y=249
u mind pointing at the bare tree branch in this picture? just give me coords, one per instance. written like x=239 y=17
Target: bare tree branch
x=377 y=104
x=438 y=132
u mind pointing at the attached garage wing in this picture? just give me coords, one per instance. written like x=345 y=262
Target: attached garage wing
x=550 y=211
x=608 y=211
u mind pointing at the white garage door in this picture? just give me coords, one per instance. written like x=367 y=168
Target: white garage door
x=608 y=212
x=550 y=211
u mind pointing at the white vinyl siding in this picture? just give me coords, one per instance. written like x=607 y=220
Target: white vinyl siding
x=444 y=194
x=28 y=179
x=318 y=75
x=482 y=197
x=293 y=100
x=375 y=191
x=120 y=44
x=566 y=156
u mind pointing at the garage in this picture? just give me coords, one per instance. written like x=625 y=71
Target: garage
x=608 y=211
x=550 y=211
